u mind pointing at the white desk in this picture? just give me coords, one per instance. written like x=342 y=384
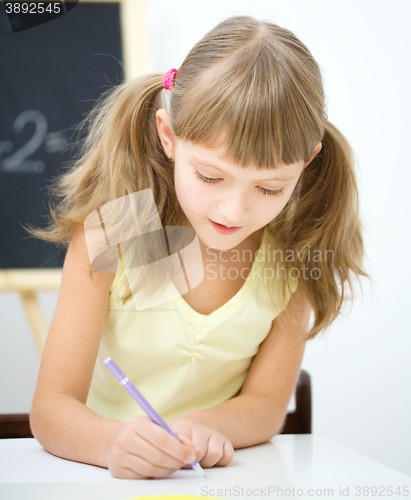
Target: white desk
x=270 y=470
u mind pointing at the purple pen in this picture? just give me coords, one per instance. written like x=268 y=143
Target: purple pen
x=137 y=396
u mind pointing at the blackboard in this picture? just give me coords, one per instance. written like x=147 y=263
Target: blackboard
x=51 y=75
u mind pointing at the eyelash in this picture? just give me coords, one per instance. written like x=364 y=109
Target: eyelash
x=267 y=192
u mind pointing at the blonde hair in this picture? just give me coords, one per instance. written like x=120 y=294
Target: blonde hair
x=258 y=86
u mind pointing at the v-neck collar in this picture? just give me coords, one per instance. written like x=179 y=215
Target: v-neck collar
x=237 y=299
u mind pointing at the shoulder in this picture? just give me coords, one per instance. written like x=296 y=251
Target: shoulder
x=295 y=317
x=77 y=264
x=299 y=301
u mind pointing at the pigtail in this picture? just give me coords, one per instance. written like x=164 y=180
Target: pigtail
x=121 y=154
x=320 y=231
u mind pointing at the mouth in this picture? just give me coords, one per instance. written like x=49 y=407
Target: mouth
x=221 y=229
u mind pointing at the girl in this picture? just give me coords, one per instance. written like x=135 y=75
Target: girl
x=244 y=141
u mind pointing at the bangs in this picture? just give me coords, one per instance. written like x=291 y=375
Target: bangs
x=255 y=104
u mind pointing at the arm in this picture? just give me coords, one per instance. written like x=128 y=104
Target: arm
x=60 y=419
x=258 y=413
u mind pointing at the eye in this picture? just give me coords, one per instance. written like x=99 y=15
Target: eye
x=268 y=192
x=278 y=192
x=205 y=179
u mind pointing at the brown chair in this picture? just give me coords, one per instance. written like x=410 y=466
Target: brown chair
x=299 y=421
x=296 y=422
x=15 y=426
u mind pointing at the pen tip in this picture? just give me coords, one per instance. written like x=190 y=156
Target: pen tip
x=199 y=469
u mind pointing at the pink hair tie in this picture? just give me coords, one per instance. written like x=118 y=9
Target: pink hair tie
x=168 y=80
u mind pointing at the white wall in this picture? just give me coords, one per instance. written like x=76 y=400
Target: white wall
x=361 y=389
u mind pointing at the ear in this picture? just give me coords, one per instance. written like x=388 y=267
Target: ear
x=165 y=131
x=317 y=149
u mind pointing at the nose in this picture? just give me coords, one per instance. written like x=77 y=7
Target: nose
x=233 y=209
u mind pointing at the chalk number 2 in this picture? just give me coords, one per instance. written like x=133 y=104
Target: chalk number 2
x=19 y=161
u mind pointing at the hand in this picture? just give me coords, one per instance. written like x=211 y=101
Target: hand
x=212 y=449
x=143 y=449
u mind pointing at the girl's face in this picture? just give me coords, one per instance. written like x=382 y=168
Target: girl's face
x=210 y=189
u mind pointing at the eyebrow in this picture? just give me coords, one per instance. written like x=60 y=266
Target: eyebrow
x=207 y=164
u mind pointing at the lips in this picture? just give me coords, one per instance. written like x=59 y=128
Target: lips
x=228 y=227
x=221 y=229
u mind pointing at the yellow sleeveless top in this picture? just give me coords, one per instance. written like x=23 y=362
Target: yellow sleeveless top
x=181 y=360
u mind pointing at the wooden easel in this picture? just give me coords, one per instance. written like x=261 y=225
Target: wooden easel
x=27 y=282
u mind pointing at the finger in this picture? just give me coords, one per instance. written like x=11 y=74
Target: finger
x=189 y=442
x=228 y=455
x=125 y=473
x=132 y=443
x=145 y=468
x=215 y=452
x=200 y=443
x=126 y=465
x=160 y=448
x=146 y=451
x=133 y=457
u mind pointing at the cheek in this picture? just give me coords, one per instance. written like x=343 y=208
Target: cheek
x=180 y=187
x=196 y=201
x=189 y=194
x=270 y=212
